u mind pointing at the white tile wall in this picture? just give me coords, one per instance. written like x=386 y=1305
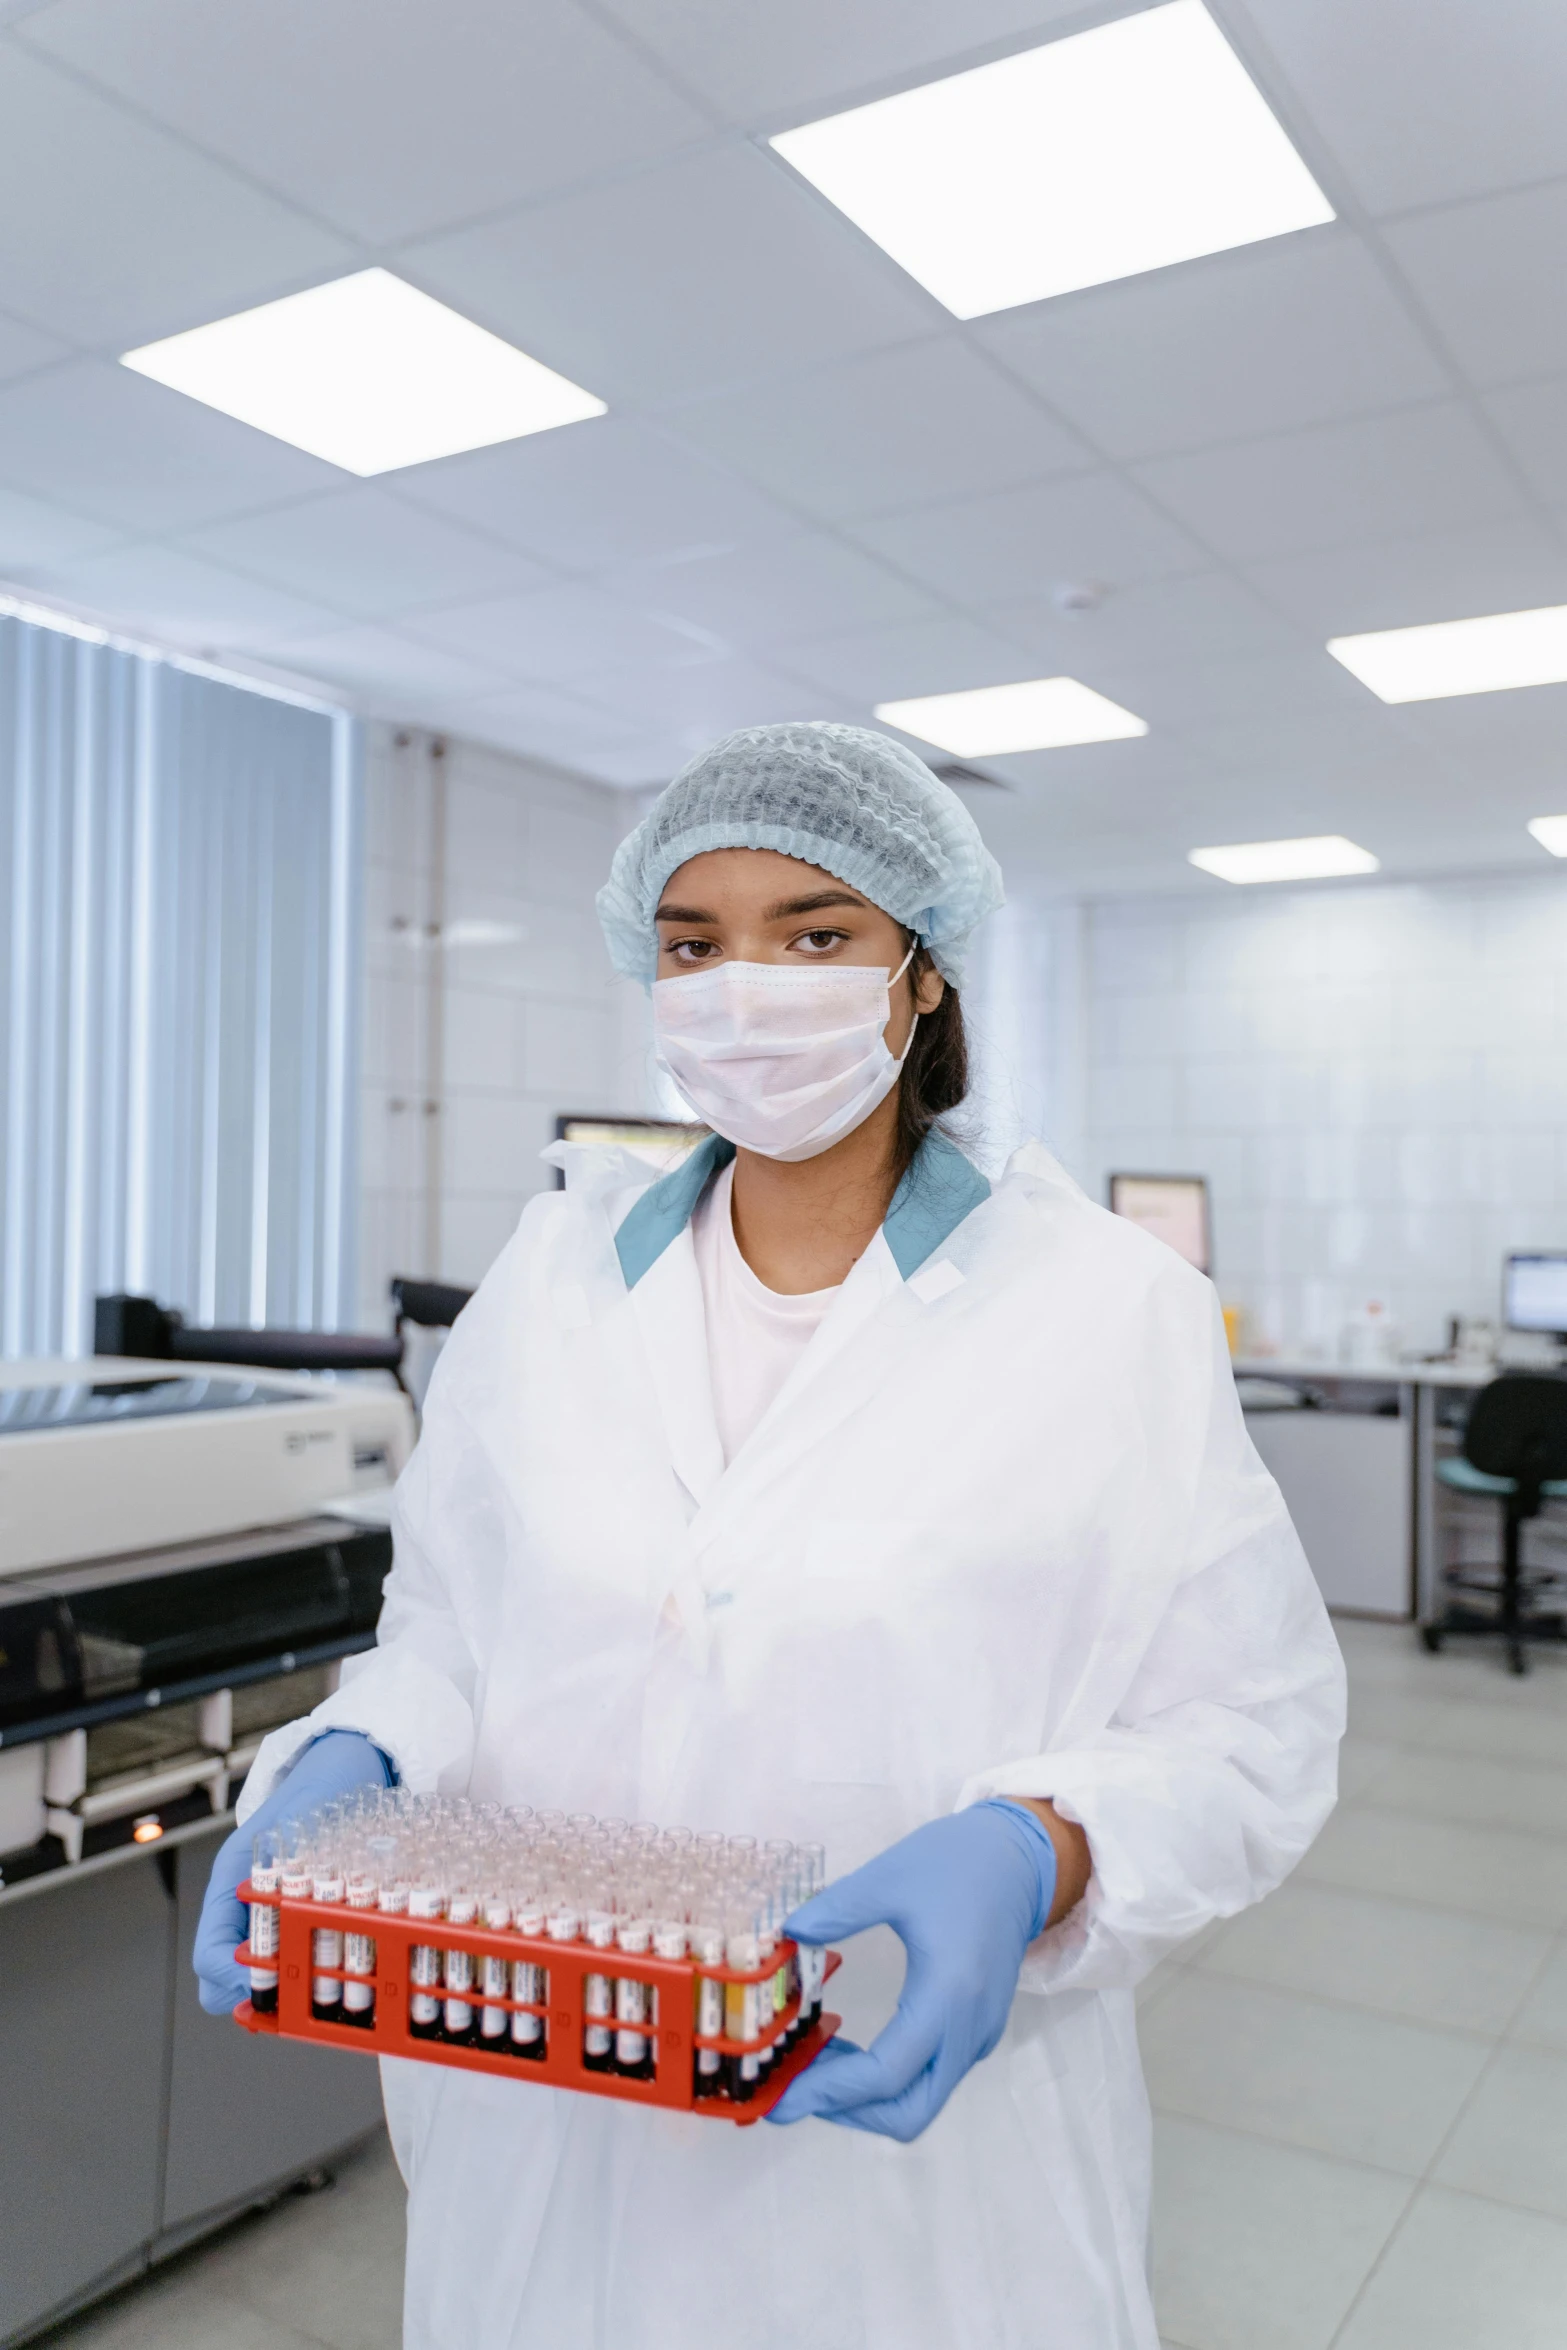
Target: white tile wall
x=489 y=1005
x=1373 y=1077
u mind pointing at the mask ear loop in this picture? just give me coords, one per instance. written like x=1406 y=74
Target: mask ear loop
x=891 y=984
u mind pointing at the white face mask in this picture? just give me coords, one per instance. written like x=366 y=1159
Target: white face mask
x=780 y=1059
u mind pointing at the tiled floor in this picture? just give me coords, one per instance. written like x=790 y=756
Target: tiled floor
x=1361 y=2087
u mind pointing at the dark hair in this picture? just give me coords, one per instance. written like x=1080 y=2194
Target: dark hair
x=935 y=1075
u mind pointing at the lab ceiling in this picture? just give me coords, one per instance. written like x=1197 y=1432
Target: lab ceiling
x=815 y=490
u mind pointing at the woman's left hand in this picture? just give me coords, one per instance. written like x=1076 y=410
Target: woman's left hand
x=965 y=1895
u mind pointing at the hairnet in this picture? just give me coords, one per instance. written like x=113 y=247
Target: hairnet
x=856 y=803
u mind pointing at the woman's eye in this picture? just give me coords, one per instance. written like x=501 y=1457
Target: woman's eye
x=692 y=950
x=821 y=942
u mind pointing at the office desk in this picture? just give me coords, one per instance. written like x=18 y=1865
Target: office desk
x=1359 y=1473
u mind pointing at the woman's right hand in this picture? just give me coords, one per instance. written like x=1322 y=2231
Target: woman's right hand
x=333 y=1764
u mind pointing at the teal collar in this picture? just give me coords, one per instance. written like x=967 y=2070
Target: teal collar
x=940 y=1188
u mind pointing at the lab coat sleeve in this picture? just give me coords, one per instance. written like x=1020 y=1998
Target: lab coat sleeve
x=413 y=1693
x=1220 y=1763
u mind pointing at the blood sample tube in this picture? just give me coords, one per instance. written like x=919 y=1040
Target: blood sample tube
x=326 y=1942
x=359 y=1951
x=266 y=1855
x=707 y=1948
x=598 y=1995
x=769 y=2000
x=460 y=2024
x=495 y=1974
x=813 y=1959
x=426 y=1899
x=742 y=1950
x=529 y=1981
x=669 y=1939
x=633 y=1999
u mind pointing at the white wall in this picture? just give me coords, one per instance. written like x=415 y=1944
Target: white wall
x=1373 y=1077
x=489 y=1002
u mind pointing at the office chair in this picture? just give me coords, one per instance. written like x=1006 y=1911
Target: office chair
x=1515 y=1450
x=423 y=1312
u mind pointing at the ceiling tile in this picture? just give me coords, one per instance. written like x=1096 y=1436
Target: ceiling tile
x=1337 y=484
x=677 y=281
x=765 y=63
x=22 y=348
x=32 y=533
x=691 y=707
x=440 y=114
x=1337 y=748
x=1532 y=420
x=806 y=586
x=1031 y=541
x=590 y=496
x=941 y=656
x=368 y=555
x=559 y=633
x=1424 y=100
x=1436 y=575
x=1192 y=692
x=1298 y=331
x=125 y=451
x=1481 y=271
x=890 y=428
x=390 y=671
x=130 y=234
x=176 y=595
x=534 y=720
x=1203 y=617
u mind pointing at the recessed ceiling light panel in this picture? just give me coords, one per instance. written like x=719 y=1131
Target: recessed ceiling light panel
x=1323 y=857
x=1038 y=714
x=1551 y=833
x=1492 y=655
x=1125 y=148
x=368 y=373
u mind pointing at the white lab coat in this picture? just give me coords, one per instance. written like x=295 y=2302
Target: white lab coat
x=1003 y=1530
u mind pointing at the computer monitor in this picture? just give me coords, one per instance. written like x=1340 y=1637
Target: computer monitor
x=1173 y=1207
x=1534 y=1291
x=663 y=1142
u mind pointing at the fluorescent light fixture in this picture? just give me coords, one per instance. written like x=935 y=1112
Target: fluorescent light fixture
x=1038 y=714
x=1121 y=149
x=1551 y=833
x=368 y=373
x=1491 y=655
x=1320 y=858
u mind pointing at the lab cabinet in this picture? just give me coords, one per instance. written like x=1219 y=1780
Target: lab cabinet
x=1346 y=1475
x=84 y=1981
x=129 y=2120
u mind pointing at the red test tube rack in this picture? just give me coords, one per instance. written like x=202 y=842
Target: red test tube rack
x=670 y=2012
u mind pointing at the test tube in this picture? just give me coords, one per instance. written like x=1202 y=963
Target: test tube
x=633 y=2001
x=459 y=2022
x=359 y=1951
x=326 y=1942
x=707 y=1948
x=598 y=2003
x=266 y=1854
x=813 y=1960
x=426 y=1899
x=742 y=1950
x=495 y=1974
x=529 y=1981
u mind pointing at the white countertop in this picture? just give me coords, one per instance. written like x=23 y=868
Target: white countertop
x=1379 y=1374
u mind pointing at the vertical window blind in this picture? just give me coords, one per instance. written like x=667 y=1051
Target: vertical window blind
x=179 y=862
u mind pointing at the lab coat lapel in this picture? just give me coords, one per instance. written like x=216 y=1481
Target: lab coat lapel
x=667 y=1304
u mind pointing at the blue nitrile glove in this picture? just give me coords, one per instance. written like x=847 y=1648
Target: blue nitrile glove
x=965 y=1895
x=333 y=1764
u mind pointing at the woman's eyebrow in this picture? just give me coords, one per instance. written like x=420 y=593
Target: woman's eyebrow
x=684 y=914
x=812 y=905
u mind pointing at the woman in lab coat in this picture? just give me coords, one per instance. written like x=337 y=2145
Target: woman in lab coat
x=825 y=1490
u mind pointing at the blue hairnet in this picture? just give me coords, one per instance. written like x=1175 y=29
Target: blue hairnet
x=854 y=802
